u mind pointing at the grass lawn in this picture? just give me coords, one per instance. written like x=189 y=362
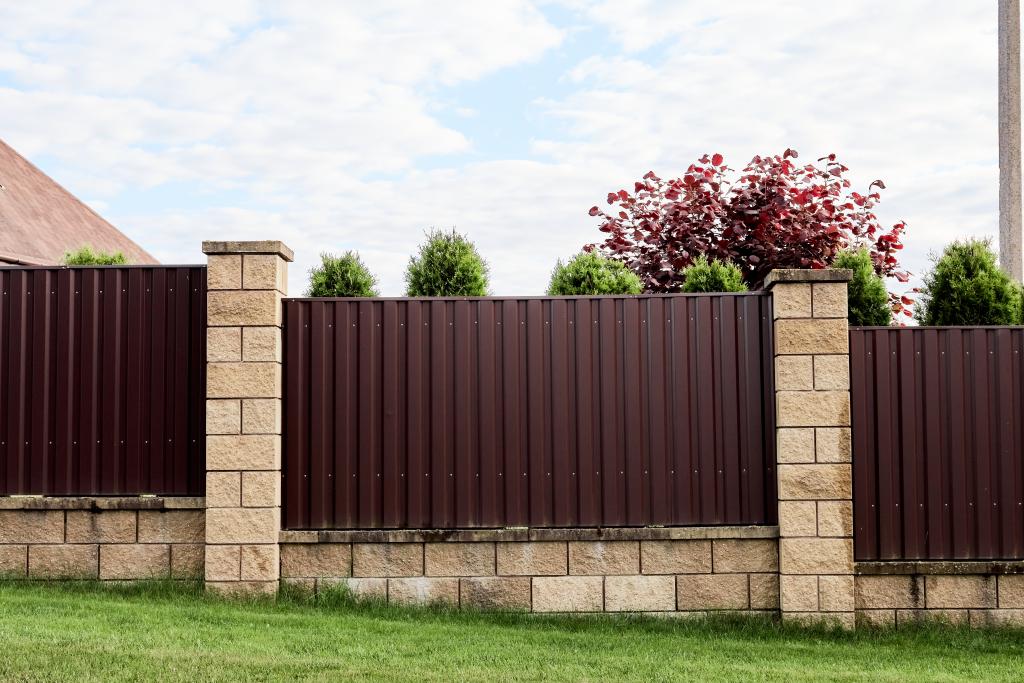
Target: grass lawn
x=169 y=633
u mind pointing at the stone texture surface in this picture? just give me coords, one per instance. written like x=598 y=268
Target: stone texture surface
x=240 y=308
x=798 y=518
x=223 y=562
x=496 y=592
x=171 y=526
x=423 y=590
x=261 y=416
x=135 y=561
x=889 y=592
x=538 y=558
x=829 y=300
x=836 y=593
x=111 y=526
x=812 y=336
x=387 y=559
x=712 y=592
x=223 y=489
x=745 y=555
x=792 y=300
x=187 y=561
x=245 y=589
x=832 y=444
x=261 y=344
x=835 y=518
x=604 y=557
x=242 y=525
x=316 y=560
x=1011 y=591
x=264 y=271
x=951 y=617
x=243 y=452
x=568 y=594
x=224 y=272
x=816 y=555
x=960 y=592
x=260 y=562
x=459 y=559
x=812 y=408
x=815 y=482
x=363 y=589
x=31 y=526
x=794 y=445
x=639 y=593
x=223 y=344
x=63 y=561
x=261 y=489
x=13 y=561
x=224 y=416
x=830 y=372
x=798 y=593
x=764 y=591
x=243 y=380
x=877 y=618
x=795 y=373
x=675 y=557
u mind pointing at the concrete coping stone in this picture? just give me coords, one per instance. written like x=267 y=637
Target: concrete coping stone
x=948 y=567
x=102 y=503
x=786 y=275
x=526 y=534
x=254 y=247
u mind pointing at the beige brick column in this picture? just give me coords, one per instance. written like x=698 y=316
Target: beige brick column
x=815 y=480
x=245 y=281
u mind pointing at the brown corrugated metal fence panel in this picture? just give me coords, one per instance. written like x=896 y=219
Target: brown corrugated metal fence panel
x=937 y=443
x=102 y=380
x=547 y=412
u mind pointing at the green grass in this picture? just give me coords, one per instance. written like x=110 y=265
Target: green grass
x=163 y=632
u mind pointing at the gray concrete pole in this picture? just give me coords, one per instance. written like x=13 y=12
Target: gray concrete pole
x=1009 y=140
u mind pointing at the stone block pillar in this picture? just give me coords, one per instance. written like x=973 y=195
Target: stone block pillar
x=245 y=283
x=815 y=479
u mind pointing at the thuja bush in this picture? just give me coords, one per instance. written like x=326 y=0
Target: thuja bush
x=344 y=275
x=85 y=256
x=774 y=213
x=712 y=276
x=966 y=287
x=447 y=265
x=589 y=273
x=868 y=302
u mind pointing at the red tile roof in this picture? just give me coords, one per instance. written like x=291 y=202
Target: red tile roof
x=40 y=220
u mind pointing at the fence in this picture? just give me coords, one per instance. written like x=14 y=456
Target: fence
x=603 y=411
x=937 y=443
x=102 y=376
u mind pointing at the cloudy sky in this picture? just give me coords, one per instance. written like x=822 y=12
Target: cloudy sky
x=357 y=125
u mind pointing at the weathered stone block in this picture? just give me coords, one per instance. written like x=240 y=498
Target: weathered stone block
x=261 y=416
x=816 y=555
x=712 y=591
x=223 y=416
x=975 y=592
x=135 y=561
x=387 y=559
x=830 y=300
x=825 y=336
x=238 y=308
x=171 y=526
x=423 y=590
x=242 y=525
x=835 y=518
x=187 y=561
x=31 y=526
x=675 y=557
x=264 y=271
x=223 y=344
x=794 y=373
x=997 y=618
x=835 y=593
x=833 y=444
x=261 y=489
x=877 y=618
x=639 y=594
x=742 y=555
x=798 y=518
x=815 y=482
x=459 y=559
x=13 y=561
x=362 y=589
x=843 y=620
x=604 y=557
x=568 y=594
x=889 y=592
x=541 y=558
x=795 y=444
x=813 y=408
x=799 y=593
x=260 y=562
x=316 y=560
x=224 y=272
x=243 y=589
x=243 y=380
x=831 y=372
x=791 y=300
x=223 y=562
x=764 y=591
x=223 y=489
x=243 y=452
x=950 y=617
x=1011 y=591
x=63 y=561
x=496 y=592
x=110 y=526
x=261 y=344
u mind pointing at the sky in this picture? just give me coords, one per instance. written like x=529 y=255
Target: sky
x=360 y=125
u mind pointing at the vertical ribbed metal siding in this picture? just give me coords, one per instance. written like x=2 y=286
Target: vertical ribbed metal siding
x=937 y=443
x=548 y=412
x=102 y=380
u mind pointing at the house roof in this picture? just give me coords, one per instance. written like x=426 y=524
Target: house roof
x=40 y=220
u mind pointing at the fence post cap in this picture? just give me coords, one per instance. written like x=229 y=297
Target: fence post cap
x=275 y=247
x=787 y=275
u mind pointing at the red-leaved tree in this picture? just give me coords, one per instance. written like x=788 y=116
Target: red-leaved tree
x=775 y=214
